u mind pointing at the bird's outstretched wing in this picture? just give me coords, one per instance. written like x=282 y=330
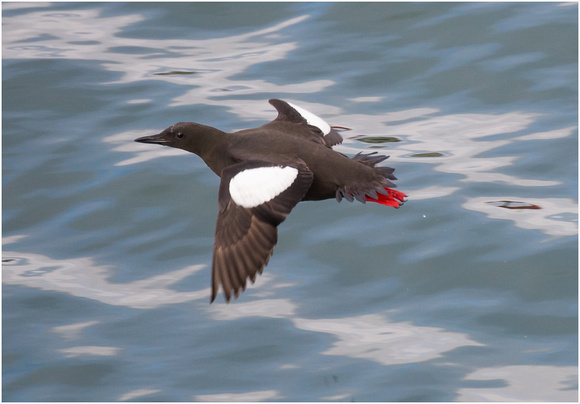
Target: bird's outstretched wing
x=254 y=198
x=320 y=131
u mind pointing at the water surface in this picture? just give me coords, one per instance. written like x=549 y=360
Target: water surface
x=466 y=293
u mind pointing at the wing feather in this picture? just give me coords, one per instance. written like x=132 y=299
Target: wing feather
x=245 y=236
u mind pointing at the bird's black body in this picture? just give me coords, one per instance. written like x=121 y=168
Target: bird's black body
x=290 y=149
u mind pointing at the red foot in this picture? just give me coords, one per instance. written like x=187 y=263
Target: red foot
x=394 y=199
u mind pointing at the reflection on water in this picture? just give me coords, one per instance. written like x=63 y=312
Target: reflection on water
x=89 y=351
x=458 y=144
x=252 y=396
x=510 y=383
x=82 y=277
x=214 y=61
x=72 y=331
x=461 y=138
x=514 y=205
x=138 y=394
x=374 y=337
x=557 y=216
x=370 y=336
x=268 y=308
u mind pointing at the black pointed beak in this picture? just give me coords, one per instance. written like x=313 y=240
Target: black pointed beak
x=156 y=139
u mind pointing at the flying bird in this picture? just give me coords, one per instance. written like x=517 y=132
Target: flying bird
x=265 y=172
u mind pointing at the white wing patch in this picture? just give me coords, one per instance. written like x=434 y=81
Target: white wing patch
x=312 y=119
x=254 y=186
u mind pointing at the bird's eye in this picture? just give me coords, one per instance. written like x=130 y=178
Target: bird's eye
x=179 y=135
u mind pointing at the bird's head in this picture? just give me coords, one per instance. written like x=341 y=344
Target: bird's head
x=189 y=136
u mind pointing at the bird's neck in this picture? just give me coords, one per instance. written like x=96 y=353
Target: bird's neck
x=212 y=148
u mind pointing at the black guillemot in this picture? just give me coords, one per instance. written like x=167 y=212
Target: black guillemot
x=265 y=172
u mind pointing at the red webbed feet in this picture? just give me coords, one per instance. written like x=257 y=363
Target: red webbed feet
x=393 y=198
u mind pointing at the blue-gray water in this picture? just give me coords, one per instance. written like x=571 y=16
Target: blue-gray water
x=466 y=293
